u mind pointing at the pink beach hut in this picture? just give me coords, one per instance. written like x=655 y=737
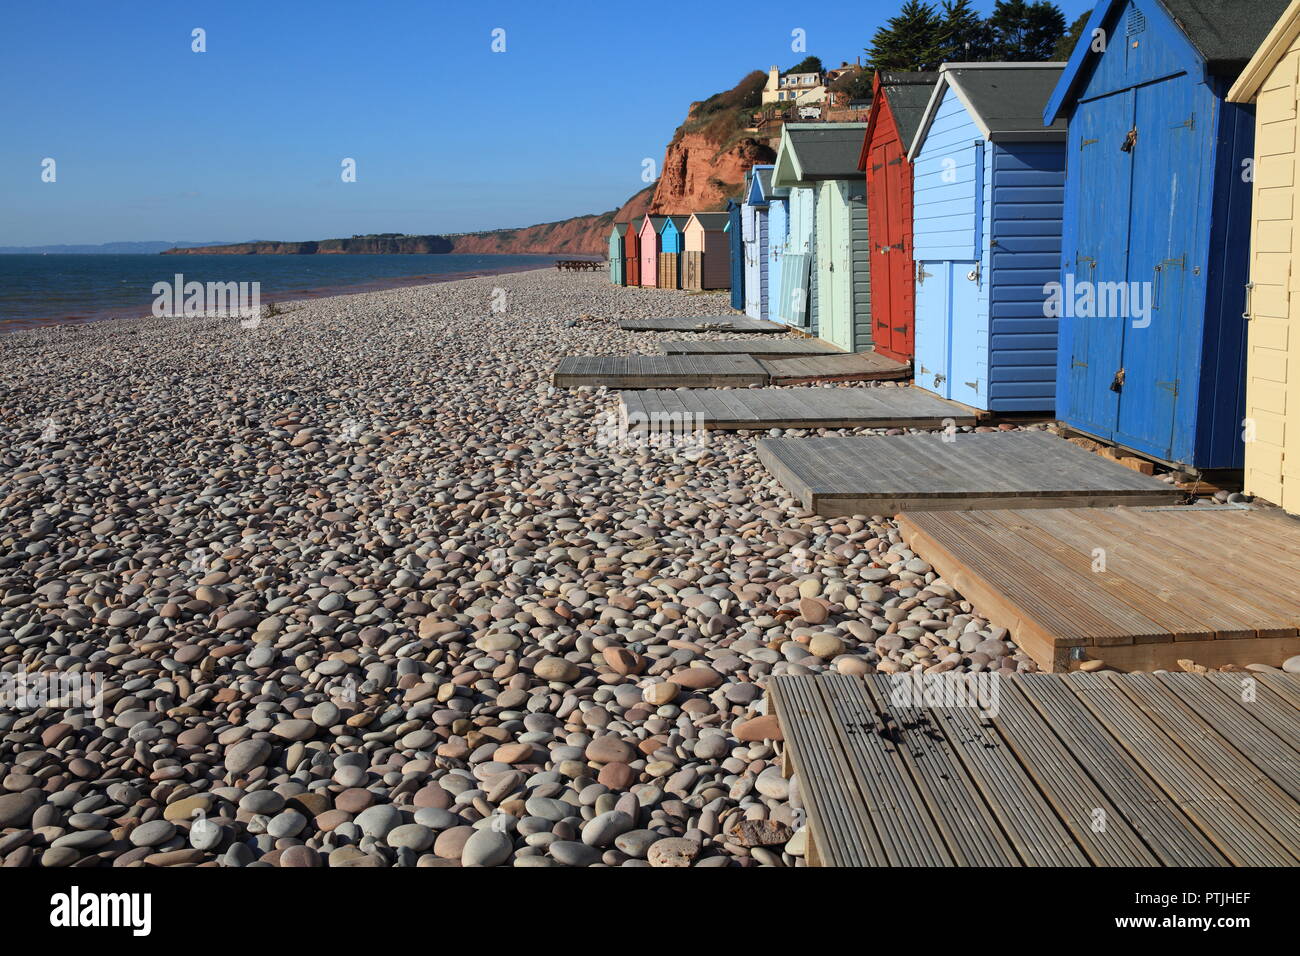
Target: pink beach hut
x=649 y=233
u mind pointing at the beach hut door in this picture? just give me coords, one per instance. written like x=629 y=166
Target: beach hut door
x=1169 y=157
x=1099 y=256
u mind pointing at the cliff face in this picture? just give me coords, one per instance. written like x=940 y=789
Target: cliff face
x=699 y=177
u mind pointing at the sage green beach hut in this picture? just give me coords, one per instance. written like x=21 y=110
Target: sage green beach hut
x=617 y=260
x=822 y=159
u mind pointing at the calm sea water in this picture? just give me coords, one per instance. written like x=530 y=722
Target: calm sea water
x=40 y=289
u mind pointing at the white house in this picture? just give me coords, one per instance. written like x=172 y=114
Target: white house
x=800 y=88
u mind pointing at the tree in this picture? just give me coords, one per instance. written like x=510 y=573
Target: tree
x=1025 y=31
x=1065 y=46
x=965 y=36
x=855 y=85
x=809 y=64
x=912 y=40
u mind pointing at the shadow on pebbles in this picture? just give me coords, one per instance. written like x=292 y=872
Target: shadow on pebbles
x=356 y=587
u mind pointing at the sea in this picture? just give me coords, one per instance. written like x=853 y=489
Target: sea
x=51 y=289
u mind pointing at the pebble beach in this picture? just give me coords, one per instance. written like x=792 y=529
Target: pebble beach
x=357 y=587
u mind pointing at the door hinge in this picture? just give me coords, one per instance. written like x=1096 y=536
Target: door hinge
x=1087 y=142
x=1169 y=386
x=895 y=162
x=1075 y=363
x=924 y=370
x=973 y=385
x=1117 y=383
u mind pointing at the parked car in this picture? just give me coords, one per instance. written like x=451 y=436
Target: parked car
x=810 y=112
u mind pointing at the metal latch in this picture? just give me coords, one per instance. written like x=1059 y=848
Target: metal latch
x=974 y=274
x=921 y=274
x=1117 y=384
x=940 y=379
x=1130 y=141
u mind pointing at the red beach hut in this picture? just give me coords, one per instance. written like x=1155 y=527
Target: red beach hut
x=632 y=250
x=897 y=105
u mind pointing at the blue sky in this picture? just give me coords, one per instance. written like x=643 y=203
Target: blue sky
x=245 y=141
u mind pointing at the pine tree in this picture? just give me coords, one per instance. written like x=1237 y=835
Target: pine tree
x=912 y=40
x=1025 y=31
x=1071 y=37
x=965 y=36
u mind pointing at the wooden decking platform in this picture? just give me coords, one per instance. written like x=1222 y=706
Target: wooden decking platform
x=703 y=323
x=658 y=371
x=761 y=408
x=883 y=475
x=763 y=348
x=857 y=367
x=1135 y=588
x=1048 y=769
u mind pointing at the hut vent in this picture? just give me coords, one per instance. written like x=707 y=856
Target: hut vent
x=1137 y=22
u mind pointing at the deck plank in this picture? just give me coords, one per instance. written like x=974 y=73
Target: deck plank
x=702 y=323
x=959 y=472
x=772 y=348
x=658 y=371
x=874 y=407
x=1147 y=607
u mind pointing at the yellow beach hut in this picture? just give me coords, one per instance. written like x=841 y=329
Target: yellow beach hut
x=1272 y=427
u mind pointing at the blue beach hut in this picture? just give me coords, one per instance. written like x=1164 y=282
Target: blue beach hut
x=672 y=243
x=754 y=231
x=1157 y=227
x=735 y=242
x=987 y=203
x=778 y=231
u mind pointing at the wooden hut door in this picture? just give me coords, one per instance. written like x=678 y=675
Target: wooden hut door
x=891 y=260
x=1169 y=155
x=1100 y=255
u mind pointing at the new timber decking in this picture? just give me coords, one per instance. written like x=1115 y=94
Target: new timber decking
x=883 y=475
x=857 y=367
x=762 y=408
x=789 y=347
x=1045 y=769
x=1136 y=588
x=703 y=323
x=658 y=371
x=704 y=371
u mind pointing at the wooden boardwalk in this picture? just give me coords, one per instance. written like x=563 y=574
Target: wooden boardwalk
x=658 y=371
x=883 y=475
x=703 y=323
x=857 y=367
x=763 y=348
x=1135 y=588
x=762 y=408
x=1046 y=769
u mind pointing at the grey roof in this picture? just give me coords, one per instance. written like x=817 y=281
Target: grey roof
x=827 y=150
x=1225 y=32
x=908 y=94
x=712 y=220
x=764 y=180
x=679 y=221
x=1008 y=98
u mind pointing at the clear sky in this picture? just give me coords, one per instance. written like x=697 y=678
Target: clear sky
x=153 y=141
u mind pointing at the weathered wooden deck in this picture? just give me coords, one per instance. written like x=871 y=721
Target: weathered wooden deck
x=763 y=348
x=1048 y=770
x=703 y=323
x=761 y=408
x=883 y=475
x=1136 y=588
x=658 y=371
x=857 y=367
